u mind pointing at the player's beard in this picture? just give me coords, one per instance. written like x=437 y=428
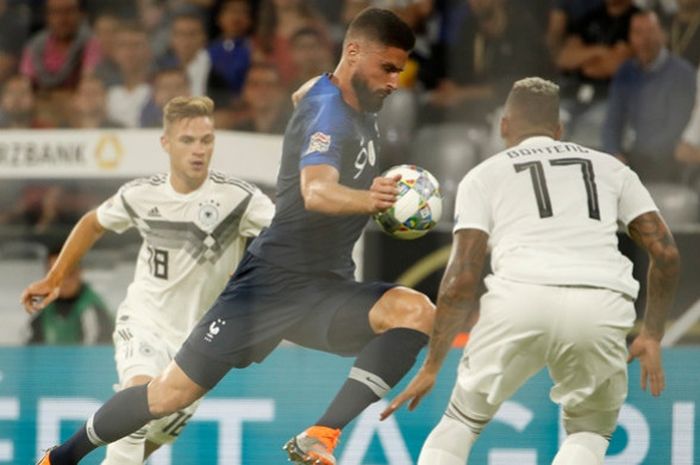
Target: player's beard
x=370 y=101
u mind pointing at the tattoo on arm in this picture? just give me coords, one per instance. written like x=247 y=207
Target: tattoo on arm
x=457 y=298
x=651 y=233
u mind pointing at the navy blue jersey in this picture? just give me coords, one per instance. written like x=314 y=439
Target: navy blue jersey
x=323 y=130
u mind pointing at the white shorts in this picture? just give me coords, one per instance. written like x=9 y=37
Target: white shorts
x=139 y=350
x=578 y=333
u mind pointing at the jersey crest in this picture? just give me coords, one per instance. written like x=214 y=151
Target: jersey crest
x=199 y=244
x=209 y=213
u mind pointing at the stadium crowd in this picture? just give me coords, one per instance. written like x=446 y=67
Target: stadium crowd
x=628 y=69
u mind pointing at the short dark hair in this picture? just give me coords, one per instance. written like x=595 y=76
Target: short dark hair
x=382 y=26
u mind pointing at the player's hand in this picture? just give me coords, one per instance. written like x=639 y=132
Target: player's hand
x=648 y=350
x=383 y=193
x=39 y=294
x=419 y=386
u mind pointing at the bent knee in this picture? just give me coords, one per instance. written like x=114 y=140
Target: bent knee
x=406 y=308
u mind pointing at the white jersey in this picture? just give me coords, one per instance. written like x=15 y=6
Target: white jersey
x=191 y=244
x=551 y=210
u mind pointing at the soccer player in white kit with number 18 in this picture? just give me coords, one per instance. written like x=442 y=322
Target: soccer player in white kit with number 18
x=194 y=223
x=561 y=295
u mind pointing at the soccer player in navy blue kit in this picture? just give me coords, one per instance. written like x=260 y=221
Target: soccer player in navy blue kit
x=296 y=282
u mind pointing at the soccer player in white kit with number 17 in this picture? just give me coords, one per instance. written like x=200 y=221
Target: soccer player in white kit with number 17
x=561 y=295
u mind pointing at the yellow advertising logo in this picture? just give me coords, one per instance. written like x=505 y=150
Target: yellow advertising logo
x=109 y=152
x=434 y=261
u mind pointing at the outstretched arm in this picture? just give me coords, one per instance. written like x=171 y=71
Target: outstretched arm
x=457 y=300
x=651 y=233
x=41 y=293
x=323 y=193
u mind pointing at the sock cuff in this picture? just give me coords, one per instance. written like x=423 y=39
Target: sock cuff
x=92 y=436
x=376 y=384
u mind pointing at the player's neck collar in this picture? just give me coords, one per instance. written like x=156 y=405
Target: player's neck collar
x=533 y=135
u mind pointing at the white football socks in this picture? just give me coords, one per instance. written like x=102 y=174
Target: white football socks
x=448 y=444
x=582 y=449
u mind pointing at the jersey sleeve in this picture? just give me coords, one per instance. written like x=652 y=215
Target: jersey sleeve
x=634 y=199
x=258 y=214
x=112 y=213
x=327 y=127
x=472 y=208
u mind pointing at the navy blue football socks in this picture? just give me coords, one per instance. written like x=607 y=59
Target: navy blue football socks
x=124 y=413
x=379 y=366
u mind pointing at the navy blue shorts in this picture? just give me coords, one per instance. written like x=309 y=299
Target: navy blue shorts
x=263 y=304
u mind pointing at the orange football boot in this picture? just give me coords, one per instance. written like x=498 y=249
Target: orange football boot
x=313 y=447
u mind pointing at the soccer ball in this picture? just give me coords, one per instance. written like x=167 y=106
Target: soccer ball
x=418 y=207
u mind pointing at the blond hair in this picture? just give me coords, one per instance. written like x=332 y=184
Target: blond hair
x=535 y=103
x=180 y=108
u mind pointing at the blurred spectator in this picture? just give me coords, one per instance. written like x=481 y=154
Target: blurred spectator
x=493 y=48
x=167 y=84
x=413 y=12
x=47 y=208
x=688 y=150
x=95 y=8
x=231 y=52
x=562 y=15
x=105 y=26
x=17 y=105
x=266 y=102
x=593 y=50
x=55 y=57
x=153 y=15
x=651 y=99
x=132 y=54
x=352 y=8
x=90 y=105
x=14 y=24
x=664 y=8
x=8 y=63
x=77 y=316
x=201 y=4
x=685 y=31
x=27 y=210
x=277 y=22
x=311 y=56
x=188 y=49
